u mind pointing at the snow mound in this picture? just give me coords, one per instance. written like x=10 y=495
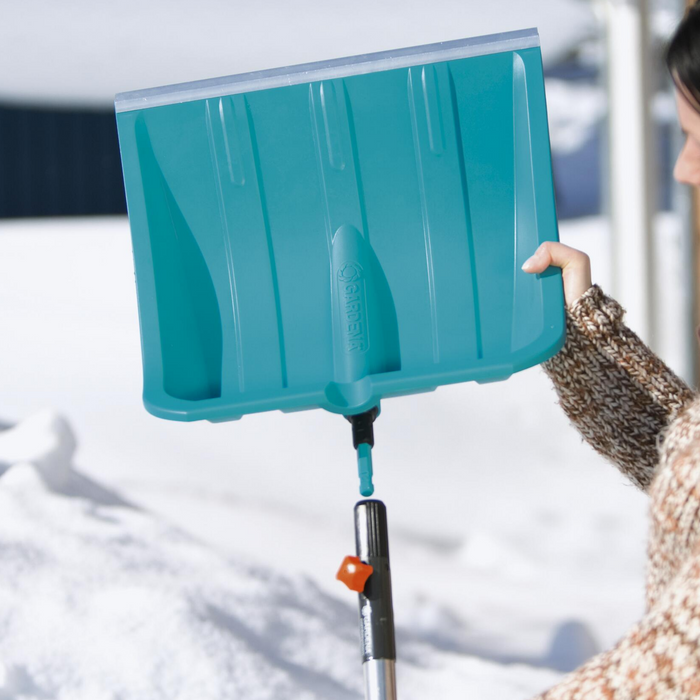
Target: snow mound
x=100 y=599
x=44 y=440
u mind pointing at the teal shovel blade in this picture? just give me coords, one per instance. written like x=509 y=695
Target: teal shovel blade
x=336 y=233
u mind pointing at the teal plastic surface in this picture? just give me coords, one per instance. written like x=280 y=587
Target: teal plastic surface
x=325 y=243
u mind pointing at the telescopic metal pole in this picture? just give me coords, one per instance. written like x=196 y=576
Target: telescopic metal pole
x=376 y=607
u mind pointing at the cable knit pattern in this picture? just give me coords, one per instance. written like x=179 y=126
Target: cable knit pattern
x=635 y=411
x=617 y=393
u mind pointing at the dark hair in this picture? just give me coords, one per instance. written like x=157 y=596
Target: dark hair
x=683 y=56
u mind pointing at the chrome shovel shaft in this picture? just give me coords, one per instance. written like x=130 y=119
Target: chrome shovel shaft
x=380 y=679
x=375 y=601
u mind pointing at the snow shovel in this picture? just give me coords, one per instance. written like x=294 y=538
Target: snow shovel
x=331 y=234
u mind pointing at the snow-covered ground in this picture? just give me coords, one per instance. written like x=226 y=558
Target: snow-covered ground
x=174 y=560
x=100 y=599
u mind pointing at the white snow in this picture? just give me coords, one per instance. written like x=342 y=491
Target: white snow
x=99 y=599
x=517 y=552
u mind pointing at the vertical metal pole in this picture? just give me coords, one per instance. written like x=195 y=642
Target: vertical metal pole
x=376 y=606
x=632 y=192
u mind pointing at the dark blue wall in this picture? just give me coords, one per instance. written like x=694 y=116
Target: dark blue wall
x=66 y=162
x=59 y=162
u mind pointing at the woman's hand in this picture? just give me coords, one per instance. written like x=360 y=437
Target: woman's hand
x=575 y=267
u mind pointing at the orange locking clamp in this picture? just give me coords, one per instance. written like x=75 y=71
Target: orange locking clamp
x=354 y=573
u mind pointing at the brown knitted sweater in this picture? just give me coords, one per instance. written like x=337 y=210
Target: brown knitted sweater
x=631 y=408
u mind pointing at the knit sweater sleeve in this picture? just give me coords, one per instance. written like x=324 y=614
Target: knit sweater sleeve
x=617 y=393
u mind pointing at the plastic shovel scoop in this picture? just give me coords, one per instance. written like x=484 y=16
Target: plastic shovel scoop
x=336 y=233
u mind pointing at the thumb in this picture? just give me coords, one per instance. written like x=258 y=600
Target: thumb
x=552 y=253
x=540 y=260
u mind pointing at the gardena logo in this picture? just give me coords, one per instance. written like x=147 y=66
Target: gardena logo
x=353 y=302
x=349 y=272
